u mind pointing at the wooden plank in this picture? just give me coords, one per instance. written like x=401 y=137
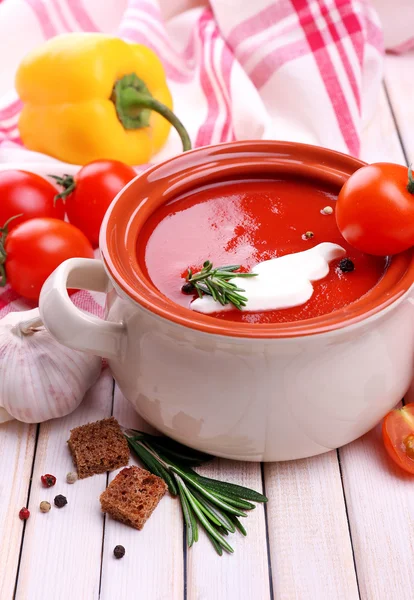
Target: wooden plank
x=17 y=442
x=379 y=498
x=381 y=515
x=153 y=566
x=398 y=78
x=62 y=549
x=310 y=547
x=244 y=574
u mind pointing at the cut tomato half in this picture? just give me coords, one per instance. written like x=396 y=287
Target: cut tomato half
x=398 y=435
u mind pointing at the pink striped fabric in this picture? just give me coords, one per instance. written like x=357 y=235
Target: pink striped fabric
x=307 y=38
x=283 y=69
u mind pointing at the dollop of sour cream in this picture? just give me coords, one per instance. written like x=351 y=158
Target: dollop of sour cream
x=280 y=282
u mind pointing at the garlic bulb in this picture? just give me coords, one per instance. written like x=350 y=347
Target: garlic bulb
x=39 y=378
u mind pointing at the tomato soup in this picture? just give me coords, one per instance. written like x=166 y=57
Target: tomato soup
x=247 y=222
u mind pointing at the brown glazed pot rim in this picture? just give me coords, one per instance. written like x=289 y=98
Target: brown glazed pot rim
x=237 y=160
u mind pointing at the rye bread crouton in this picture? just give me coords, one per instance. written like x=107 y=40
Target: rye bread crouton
x=98 y=447
x=132 y=496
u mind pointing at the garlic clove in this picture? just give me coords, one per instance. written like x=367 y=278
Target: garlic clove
x=39 y=378
x=5 y=416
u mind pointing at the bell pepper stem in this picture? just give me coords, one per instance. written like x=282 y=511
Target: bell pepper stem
x=144 y=101
x=410 y=184
x=134 y=103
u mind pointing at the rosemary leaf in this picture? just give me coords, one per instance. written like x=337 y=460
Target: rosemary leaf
x=221 y=272
x=190 y=522
x=223 y=505
x=203 y=507
x=238 y=525
x=175 y=456
x=223 y=519
x=181 y=452
x=225 y=285
x=229 y=268
x=212 y=290
x=216 y=545
x=236 y=490
x=232 y=500
x=202 y=288
x=208 y=527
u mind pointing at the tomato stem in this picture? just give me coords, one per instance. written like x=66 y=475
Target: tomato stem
x=68 y=184
x=410 y=184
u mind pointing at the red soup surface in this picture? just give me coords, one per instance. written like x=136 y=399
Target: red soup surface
x=246 y=222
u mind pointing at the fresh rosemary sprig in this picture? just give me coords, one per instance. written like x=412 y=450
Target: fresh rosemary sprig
x=212 y=504
x=215 y=282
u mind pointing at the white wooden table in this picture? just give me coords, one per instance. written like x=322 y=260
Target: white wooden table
x=337 y=527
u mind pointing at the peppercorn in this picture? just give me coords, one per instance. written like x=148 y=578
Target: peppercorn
x=60 y=501
x=346 y=265
x=188 y=288
x=328 y=210
x=45 y=506
x=308 y=235
x=119 y=551
x=24 y=513
x=48 y=480
x=71 y=477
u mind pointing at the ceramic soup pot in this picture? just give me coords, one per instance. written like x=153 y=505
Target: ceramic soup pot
x=237 y=390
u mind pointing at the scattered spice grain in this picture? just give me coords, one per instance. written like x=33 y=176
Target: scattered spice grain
x=45 y=506
x=346 y=265
x=60 y=501
x=48 y=480
x=119 y=551
x=24 y=513
x=71 y=477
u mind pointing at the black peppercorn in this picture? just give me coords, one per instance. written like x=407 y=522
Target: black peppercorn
x=346 y=265
x=119 y=551
x=60 y=501
x=188 y=288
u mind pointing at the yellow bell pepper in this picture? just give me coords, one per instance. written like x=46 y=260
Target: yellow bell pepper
x=89 y=96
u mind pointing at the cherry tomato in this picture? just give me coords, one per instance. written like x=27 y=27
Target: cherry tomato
x=398 y=435
x=29 y=195
x=35 y=248
x=91 y=192
x=375 y=209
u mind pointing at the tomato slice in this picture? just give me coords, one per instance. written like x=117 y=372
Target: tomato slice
x=398 y=435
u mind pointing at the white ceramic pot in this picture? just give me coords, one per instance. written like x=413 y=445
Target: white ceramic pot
x=248 y=392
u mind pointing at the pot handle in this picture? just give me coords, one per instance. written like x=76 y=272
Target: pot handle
x=68 y=324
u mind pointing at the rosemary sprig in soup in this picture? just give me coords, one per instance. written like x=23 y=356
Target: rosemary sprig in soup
x=215 y=282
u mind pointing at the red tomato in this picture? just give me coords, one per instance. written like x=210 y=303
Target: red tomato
x=27 y=194
x=398 y=435
x=35 y=248
x=95 y=186
x=375 y=209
